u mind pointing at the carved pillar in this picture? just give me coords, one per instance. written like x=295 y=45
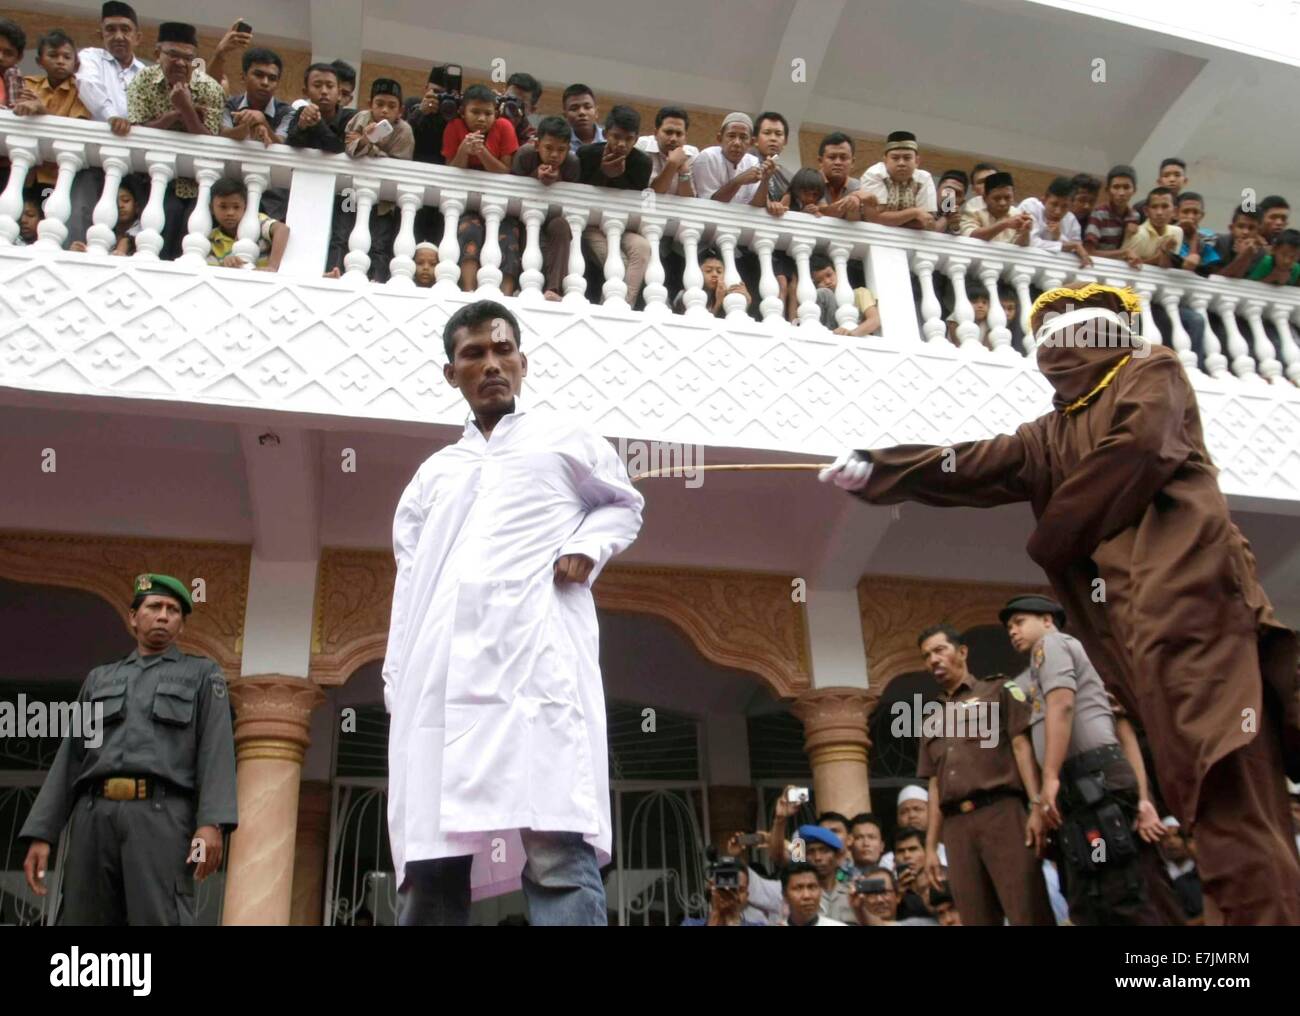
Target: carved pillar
x=272 y=721
x=835 y=730
x=310 y=850
x=731 y=809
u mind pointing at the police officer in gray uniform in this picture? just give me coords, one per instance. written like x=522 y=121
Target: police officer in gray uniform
x=1090 y=789
x=154 y=796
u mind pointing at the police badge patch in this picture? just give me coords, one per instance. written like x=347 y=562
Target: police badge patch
x=218 y=688
x=1017 y=692
x=1040 y=654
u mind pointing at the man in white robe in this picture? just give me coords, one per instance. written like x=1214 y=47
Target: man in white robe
x=497 y=751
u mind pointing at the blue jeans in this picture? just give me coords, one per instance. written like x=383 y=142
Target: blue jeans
x=561 y=882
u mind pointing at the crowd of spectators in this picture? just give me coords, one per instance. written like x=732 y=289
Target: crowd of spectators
x=476 y=128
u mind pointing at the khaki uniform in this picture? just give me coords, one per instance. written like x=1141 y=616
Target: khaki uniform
x=167 y=724
x=992 y=873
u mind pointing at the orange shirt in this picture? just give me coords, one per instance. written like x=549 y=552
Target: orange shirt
x=60 y=101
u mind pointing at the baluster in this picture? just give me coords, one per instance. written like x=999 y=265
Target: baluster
x=1170 y=299
x=615 y=289
x=575 y=281
x=654 y=290
x=693 y=297
x=195 y=245
x=968 y=333
x=1280 y=313
x=846 y=311
x=53 y=228
x=493 y=211
x=769 y=289
x=1216 y=364
x=734 y=304
x=1238 y=351
x=1048 y=279
x=401 y=270
x=1020 y=278
x=24 y=153
x=1265 y=360
x=531 y=280
x=100 y=237
x=356 y=262
x=256 y=178
x=1150 y=330
x=932 y=326
x=149 y=241
x=447 y=274
x=999 y=333
x=809 y=312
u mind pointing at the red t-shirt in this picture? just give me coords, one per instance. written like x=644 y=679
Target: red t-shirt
x=500 y=141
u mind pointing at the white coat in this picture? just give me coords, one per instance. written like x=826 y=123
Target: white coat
x=492 y=674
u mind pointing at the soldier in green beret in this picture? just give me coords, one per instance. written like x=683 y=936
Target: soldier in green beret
x=148 y=804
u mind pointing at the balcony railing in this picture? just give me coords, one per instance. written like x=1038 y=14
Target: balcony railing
x=143 y=328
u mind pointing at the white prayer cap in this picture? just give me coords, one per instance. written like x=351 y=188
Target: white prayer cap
x=913 y=793
x=1169 y=822
x=426 y=245
x=731 y=118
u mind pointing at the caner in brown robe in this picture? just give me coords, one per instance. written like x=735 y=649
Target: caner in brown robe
x=1124 y=491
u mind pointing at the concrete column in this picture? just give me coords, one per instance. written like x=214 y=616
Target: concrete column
x=272 y=718
x=835 y=730
x=311 y=847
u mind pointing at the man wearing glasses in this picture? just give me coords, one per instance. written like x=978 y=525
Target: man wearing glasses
x=173 y=96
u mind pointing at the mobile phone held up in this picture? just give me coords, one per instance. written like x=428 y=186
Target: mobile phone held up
x=243 y=26
x=378 y=130
x=797 y=795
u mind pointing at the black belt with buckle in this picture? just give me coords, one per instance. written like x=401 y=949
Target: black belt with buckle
x=133 y=788
x=1092 y=761
x=978 y=800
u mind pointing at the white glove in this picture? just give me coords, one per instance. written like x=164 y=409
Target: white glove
x=849 y=472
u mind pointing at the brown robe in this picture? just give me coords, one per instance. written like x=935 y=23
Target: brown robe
x=1124 y=491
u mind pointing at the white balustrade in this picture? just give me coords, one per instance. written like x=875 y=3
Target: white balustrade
x=52 y=230
x=694 y=299
x=533 y=215
x=100 y=236
x=162 y=170
x=1021 y=276
x=733 y=304
x=999 y=333
x=1238 y=351
x=968 y=332
x=401 y=270
x=447 y=274
x=24 y=153
x=1216 y=364
x=1265 y=358
x=575 y=279
x=357 y=260
x=615 y=289
x=195 y=245
x=809 y=312
x=493 y=210
x=769 y=290
x=1279 y=313
x=1171 y=300
x=846 y=310
x=1150 y=330
x=932 y=326
x=654 y=291
x=257 y=177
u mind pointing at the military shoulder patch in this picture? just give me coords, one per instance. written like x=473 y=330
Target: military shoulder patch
x=1017 y=692
x=1040 y=654
x=218 y=688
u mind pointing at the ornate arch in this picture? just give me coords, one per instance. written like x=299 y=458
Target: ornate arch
x=737 y=619
x=894 y=609
x=106 y=566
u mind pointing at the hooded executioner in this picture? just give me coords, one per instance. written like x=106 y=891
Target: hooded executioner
x=1124 y=491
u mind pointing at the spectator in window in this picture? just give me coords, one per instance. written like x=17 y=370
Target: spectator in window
x=904 y=192
x=29 y=219
x=844 y=198
x=715 y=286
x=1279 y=266
x=1084 y=189
x=978 y=174
x=1112 y=223
x=347 y=75
x=168 y=96
x=426 y=264
x=1055 y=228
x=548 y=159
x=1173 y=174
x=950 y=198
x=866 y=843
x=826 y=278
x=877 y=902
x=999 y=221
x=822 y=848
x=319 y=121
x=366 y=136
x=13 y=43
x=615 y=162
x=104 y=74
x=729 y=171
x=54 y=94
x=229 y=203
x=1241 y=246
x=1198 y=252
x=670 y=156
x=579 y=105
x=726 y=906
x=801 y=886
x=1274 y=214
x=257 y=114
x=130 y=204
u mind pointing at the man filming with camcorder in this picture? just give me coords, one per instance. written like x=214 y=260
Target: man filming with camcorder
x=429 y=114
x=728 y=889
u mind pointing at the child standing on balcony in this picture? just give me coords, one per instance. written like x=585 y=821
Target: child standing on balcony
x=129 y=207
x=378 y=133
x=55 y=94
x=29 y=219
x=229 y=203
x=426 y=264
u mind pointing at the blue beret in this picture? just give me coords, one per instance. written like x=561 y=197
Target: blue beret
x=810 y=833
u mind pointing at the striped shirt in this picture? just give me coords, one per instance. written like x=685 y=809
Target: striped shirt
x=1106 y=227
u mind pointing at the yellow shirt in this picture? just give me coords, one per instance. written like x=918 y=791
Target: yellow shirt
x=1146 y=243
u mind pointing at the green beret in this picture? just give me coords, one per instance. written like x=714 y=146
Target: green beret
x=150 y=584
x=1032 y=603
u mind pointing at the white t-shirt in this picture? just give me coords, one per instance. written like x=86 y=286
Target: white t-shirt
x=711 y=169
x=1038 y=236
x=649 y=144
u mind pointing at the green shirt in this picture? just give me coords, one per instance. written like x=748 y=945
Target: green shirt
x=1263 y=268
